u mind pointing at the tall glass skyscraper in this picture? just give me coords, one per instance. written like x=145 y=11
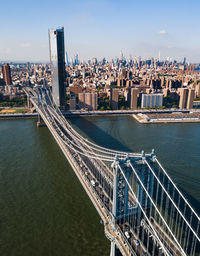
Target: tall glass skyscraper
x=57 y=59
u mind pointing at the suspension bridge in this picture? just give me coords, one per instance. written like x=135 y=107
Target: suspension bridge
x=143 y=211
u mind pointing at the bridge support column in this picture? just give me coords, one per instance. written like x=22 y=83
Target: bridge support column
x=115 y=189
x=127 y=173
x=40 y=122
x=29 y=104
x=112 y=249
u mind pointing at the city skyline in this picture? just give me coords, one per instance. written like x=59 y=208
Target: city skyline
x=101 y=29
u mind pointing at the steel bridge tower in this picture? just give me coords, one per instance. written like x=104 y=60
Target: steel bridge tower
x=122 y=209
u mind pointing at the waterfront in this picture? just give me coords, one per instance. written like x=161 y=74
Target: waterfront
x=46 y=212
x=149 y=118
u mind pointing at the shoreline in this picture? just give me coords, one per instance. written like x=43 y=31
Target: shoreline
x=18 y=116
x=142 y=116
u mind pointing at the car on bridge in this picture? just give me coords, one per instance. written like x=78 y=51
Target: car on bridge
x=93 y=183
x=127 y=234
x=136 y=242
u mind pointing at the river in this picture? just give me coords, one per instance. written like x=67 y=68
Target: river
x=44 y=209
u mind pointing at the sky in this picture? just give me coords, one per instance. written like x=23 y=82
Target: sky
x=101 y=28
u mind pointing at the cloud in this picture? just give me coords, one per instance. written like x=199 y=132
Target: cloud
x=162 y=32
x=25 y=45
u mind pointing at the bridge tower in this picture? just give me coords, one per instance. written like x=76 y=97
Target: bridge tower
x=122 y=206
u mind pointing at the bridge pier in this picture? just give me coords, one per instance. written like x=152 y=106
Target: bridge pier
x=29 y=104
x=40 y=122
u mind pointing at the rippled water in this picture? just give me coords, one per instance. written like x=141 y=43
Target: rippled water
x=45 y=211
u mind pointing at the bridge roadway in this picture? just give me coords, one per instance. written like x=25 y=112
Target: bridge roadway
x=100 y=190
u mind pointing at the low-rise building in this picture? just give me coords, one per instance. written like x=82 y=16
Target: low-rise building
x=152 y=100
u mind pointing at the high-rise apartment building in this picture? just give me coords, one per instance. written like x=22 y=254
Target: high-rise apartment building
x=190 y=100
x=72 y=103
x=94 y=101
x=183 y=97
x=6 y=74
x=114 y=98
x=152 y=100
x=132 y=98
x=87 y=100
x=57 y=59
x=81 y=100
x=186 y=98
x=197 y=89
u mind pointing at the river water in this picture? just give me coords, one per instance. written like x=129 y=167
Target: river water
x=44 y=209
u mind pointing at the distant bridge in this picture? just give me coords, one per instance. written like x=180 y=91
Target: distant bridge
x=143 y=211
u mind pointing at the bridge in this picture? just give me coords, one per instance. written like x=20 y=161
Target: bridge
x=143 y=211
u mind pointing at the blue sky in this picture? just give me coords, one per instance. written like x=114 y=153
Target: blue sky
x=101 y=28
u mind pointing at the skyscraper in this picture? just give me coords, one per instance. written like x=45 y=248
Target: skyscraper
x=121 y=57
x=76 y=60
x=57 y=59
x=6 y=74
x=67 y=60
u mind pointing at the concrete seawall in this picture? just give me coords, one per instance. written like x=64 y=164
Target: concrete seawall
x=14 y=116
